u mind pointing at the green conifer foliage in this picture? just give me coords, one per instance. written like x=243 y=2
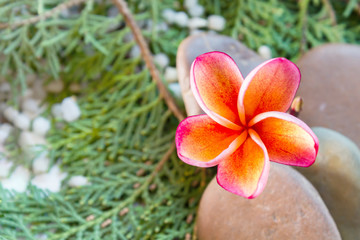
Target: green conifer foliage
x=123 y=142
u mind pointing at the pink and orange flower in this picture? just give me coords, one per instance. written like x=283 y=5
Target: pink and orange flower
x=245 y=125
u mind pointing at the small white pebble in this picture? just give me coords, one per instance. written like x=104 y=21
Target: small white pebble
x=175 y=88
x=56 y=110
x=171 y=74
x=41 y=126
x=41 y=236
x=49 y=181
x=10 y=113
x=78 y=181
x=196 y=11
x=181 y=19
x=29 y=139
x=169 y=15
x=195 y=23
x=162 y=27
x=55 y=170
x=18 y=180
x=190 y=3
x=135 y=51
x=5 y=87
x=161 y=59
x=55 y=86
x=65 y=13
x=112 y=12
x=30 y=105
x=5 y=130
x=22 y=121
x=70 y=110
x=216 y=22
x=129 y=37
x=265 y=52
x=5 y=166
x=41 y=163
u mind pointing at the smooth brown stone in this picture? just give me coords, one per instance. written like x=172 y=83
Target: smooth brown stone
x=336 y=175
x=330 y=88
x=196 y=45
x=288 y=208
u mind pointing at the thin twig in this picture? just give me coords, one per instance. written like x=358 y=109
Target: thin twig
x=145 y=52
x=114 y=211
x=358 y=9
x=44 y=16
x=331 y=11
x=303 y=25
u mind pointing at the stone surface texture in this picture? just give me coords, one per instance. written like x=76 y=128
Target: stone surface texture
x=336 y=175
x=330 y=88
x=289 y=208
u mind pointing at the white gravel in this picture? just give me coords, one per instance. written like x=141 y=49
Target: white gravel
x=181 y=19
x=41 y=163
x=196 y=11
x=41 y=126
x=216 y=22
x=5 y=167
x=78 y=181
x=162 y=60
x=50 y=181
x=18 y=180
x=5 y=130
x=70 y=109
x=171 y=74
x=22 y=121
x=265 y=52
x=197 y=22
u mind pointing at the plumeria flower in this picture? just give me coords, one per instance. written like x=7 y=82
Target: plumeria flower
x=245 y=125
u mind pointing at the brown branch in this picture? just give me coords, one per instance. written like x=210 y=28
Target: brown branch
x=162 y=161
x=330 y=11
x=145 y=52
x=44 y=16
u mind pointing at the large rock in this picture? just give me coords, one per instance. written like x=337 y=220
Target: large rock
x=196 y=45
x=288 y=208
x=336 y=175
x=330 y=87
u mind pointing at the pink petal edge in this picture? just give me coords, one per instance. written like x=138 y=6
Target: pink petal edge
x=216 y=117
x=247 y=81
x=292 y=119
x=228 y=151
x=265 y=172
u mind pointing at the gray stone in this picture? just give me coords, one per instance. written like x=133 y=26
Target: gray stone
x=336 y=175
x=288 y=208
x=330 y=87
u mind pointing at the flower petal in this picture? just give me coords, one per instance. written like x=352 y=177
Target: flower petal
x=269 y=87
x=202 y=142
x=245 y=172
x=215 y=81
x=288 y=139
